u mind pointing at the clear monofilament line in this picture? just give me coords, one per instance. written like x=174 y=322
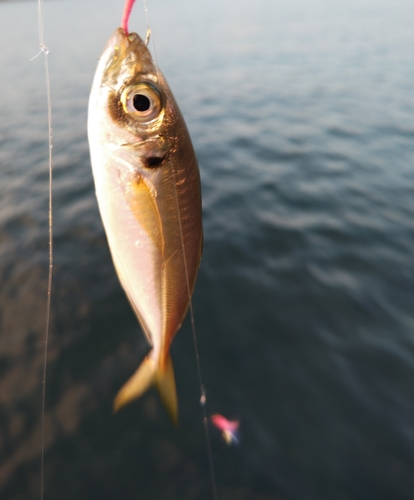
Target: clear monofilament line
x=148 y=35
x=200 y=378
x=45 y=51
x=124 y=25
x=203 y=398
x=50 y=272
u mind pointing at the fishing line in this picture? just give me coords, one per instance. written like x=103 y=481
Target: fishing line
x=147 y=38
x=203 y=398
x=44 y=49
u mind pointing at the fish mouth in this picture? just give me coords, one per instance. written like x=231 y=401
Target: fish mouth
x=124 y=57
x=120 y=45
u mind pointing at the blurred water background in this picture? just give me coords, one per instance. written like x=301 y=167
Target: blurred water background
x=301 y=113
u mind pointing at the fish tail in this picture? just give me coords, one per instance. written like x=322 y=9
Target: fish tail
x=151 y=373
x=165 y=382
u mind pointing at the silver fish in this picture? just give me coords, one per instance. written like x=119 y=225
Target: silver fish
x=148 y=189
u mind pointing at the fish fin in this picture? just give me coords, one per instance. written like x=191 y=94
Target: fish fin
x=140 y=381
x=165 y=382
x=148 y=374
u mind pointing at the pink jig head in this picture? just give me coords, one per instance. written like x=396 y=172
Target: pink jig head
x=229 y=428
x=126 y=14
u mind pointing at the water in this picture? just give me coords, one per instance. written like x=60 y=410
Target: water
x=301 y=114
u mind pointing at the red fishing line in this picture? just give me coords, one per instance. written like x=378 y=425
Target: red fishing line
x=126 y=14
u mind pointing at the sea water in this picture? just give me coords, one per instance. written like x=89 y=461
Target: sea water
x=301 y=114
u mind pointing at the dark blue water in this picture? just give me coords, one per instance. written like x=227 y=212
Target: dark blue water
x=301 y=114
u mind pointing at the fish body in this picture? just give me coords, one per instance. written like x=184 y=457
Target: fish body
x=148 y=189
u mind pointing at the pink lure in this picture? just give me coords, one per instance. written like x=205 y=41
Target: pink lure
x=126 y=14
x=229 y=428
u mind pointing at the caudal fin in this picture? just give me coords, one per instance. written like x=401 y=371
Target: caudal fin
x=148 y=374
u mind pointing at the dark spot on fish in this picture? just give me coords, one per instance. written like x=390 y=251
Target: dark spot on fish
x=153 y=161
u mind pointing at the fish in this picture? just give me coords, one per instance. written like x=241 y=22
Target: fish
x=229 y=428
x=147 y=185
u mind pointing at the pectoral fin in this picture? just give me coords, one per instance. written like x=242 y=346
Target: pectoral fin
x=143 y=204
x=148 y=374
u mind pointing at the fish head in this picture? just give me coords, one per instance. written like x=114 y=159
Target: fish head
x=129 y=102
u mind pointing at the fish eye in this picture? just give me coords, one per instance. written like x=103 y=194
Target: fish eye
x=142 y=102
